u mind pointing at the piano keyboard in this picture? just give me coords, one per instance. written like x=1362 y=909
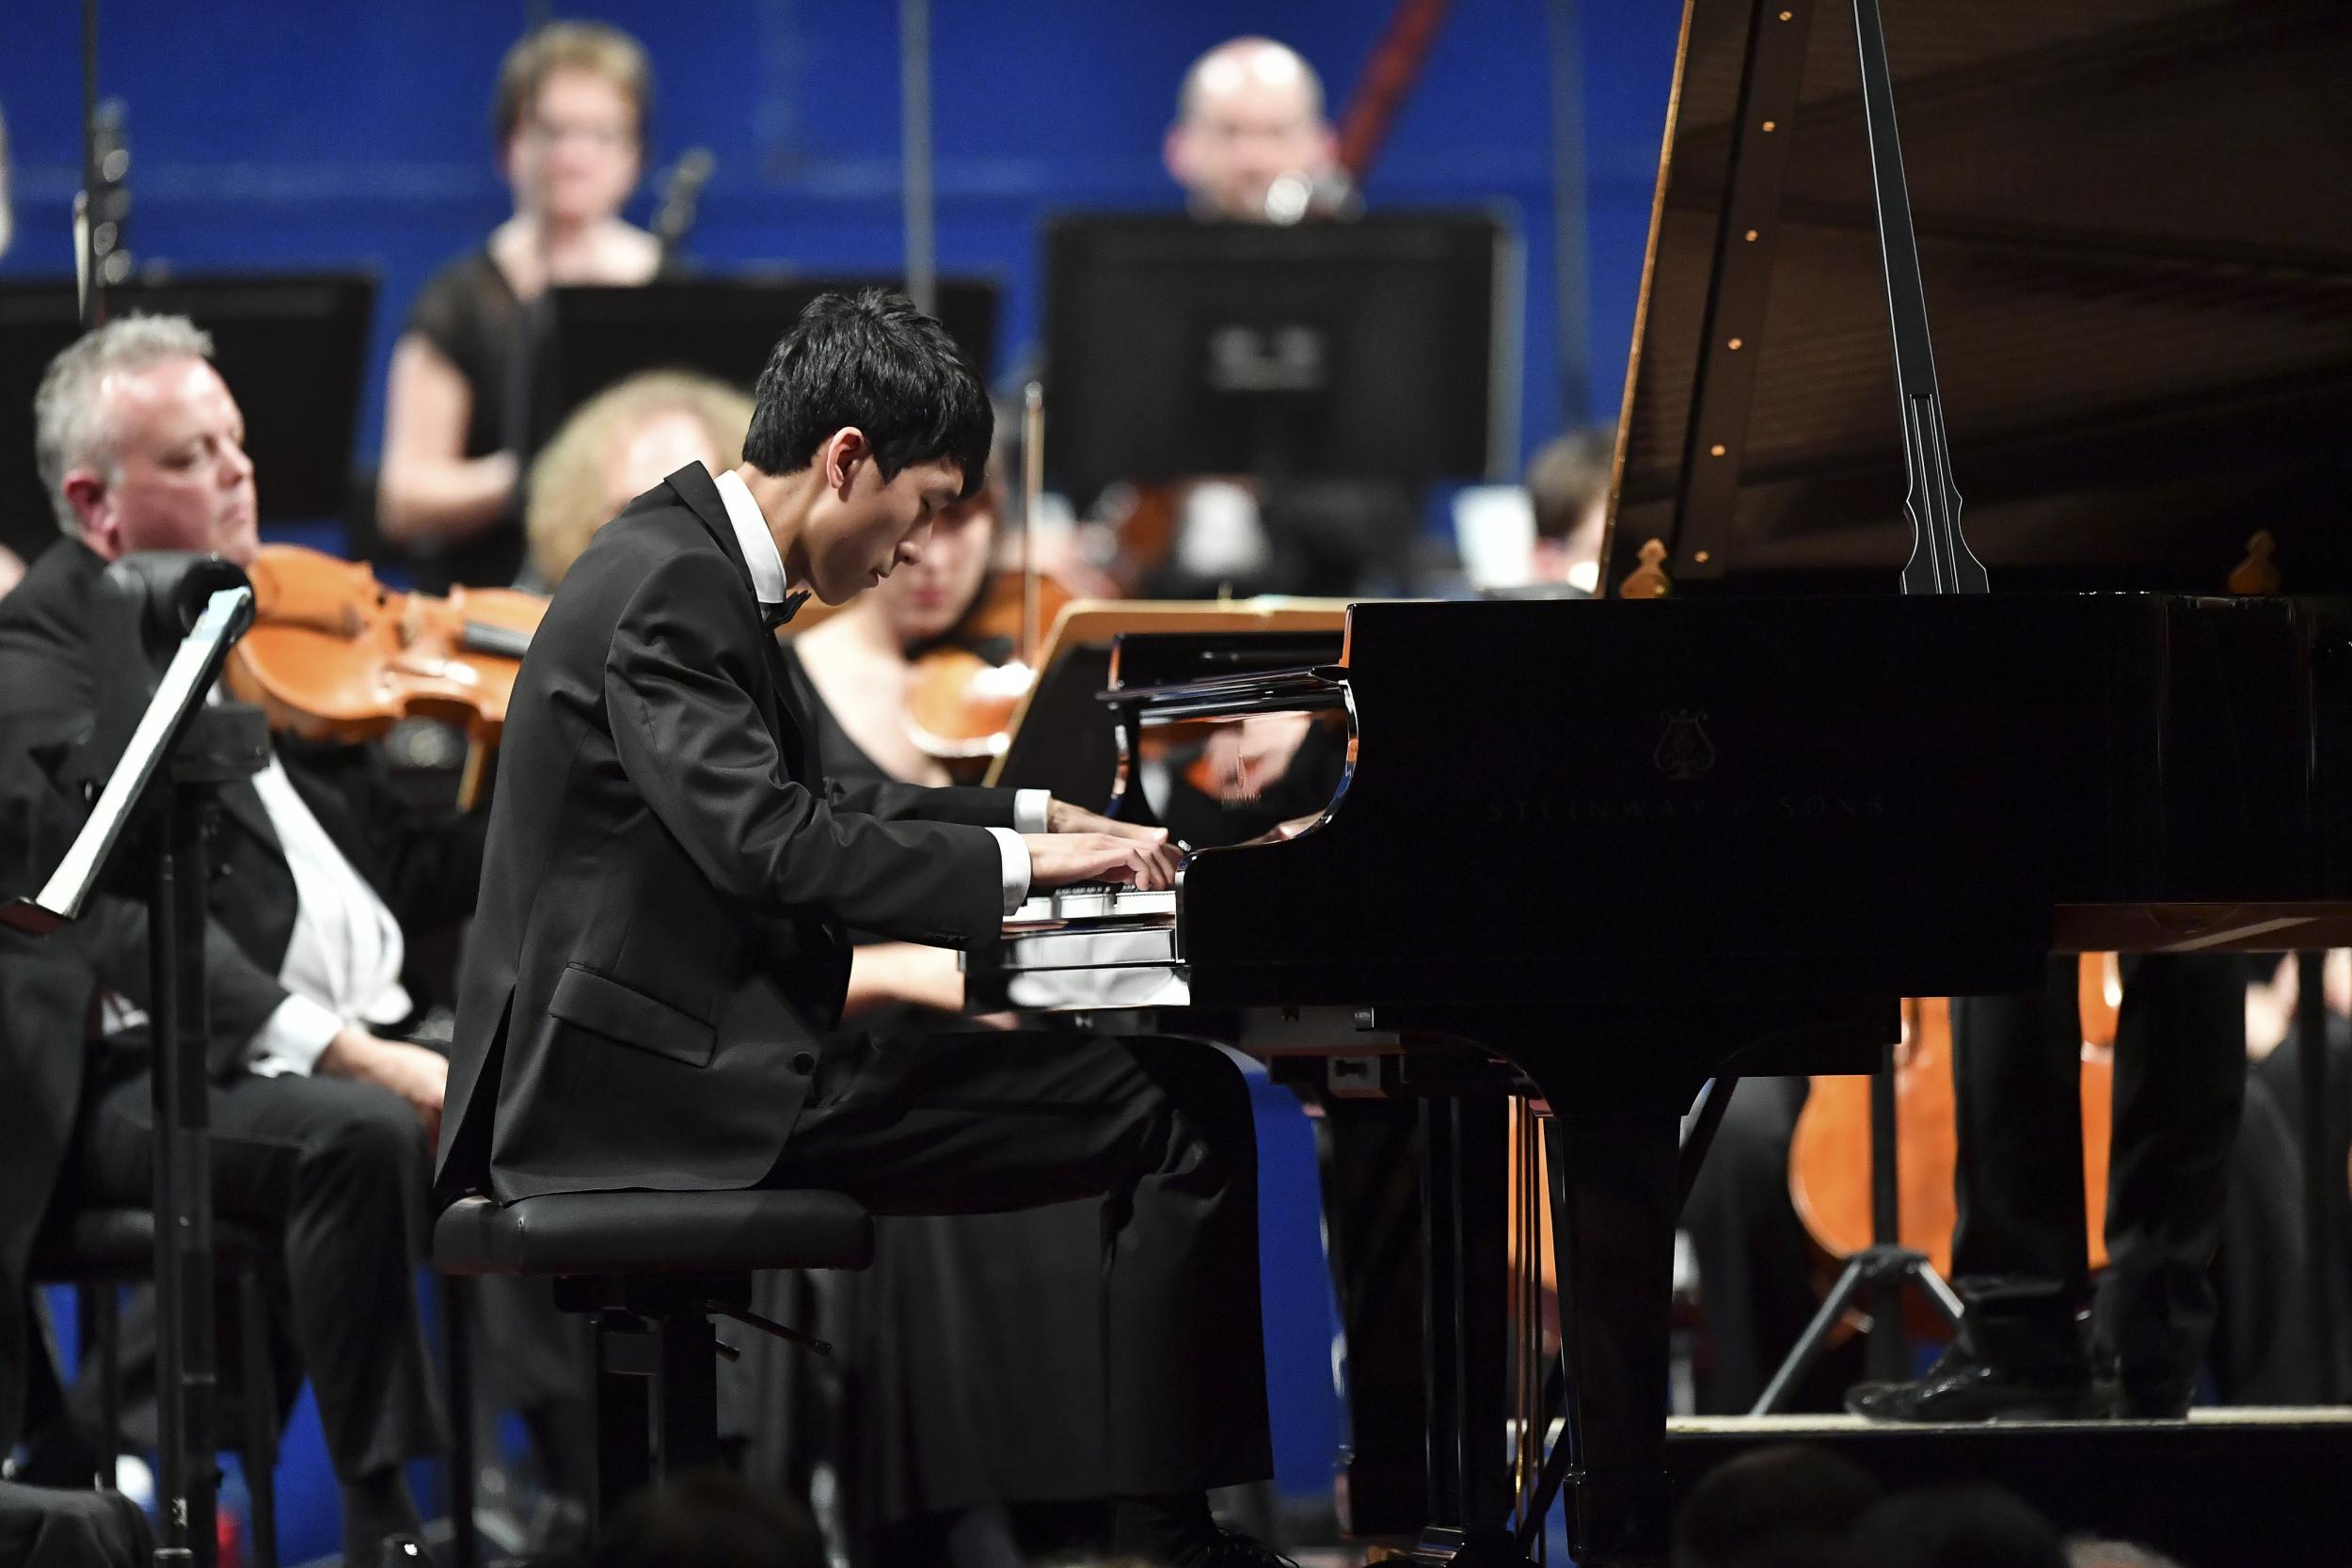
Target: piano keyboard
x=1092 y=945
x=1101 y=905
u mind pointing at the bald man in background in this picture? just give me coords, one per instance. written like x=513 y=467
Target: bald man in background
x=1250 y=143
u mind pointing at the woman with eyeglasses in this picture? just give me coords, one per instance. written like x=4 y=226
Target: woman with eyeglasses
x=570 y=114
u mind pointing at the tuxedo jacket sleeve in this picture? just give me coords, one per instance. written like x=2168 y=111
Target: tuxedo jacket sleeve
x=696 y=747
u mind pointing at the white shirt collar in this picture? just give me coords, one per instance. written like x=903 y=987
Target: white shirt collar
x=751 y=533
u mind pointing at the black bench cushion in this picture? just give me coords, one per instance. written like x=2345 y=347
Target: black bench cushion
x=625 y=1233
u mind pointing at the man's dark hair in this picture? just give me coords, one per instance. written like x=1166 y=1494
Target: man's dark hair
x=880 y=364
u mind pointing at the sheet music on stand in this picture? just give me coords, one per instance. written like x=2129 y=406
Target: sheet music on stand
x=152 y=809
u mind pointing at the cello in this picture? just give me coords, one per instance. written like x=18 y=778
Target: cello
x=1829 y=1155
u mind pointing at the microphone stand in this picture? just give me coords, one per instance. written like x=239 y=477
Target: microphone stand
x=148 y=830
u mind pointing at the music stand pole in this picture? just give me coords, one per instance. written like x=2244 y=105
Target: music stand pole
x=166 y=782
x=184 y=1379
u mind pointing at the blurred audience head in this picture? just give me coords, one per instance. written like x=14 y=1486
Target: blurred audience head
x=140 y=445
x=1957 y=1526
x=2085 y=1552
x=1250 y=115
x=708 y=1519
x=620 y=442
x=1567 y=482
x=1788 y=1506
x=570 y=115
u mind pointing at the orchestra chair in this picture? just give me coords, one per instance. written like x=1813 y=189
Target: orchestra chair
x=98 y=1251
x=652 y=1268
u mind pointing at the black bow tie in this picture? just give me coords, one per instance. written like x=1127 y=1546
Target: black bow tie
x=775 y=616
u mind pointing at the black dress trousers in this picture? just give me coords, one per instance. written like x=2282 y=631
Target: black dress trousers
x=2019 y=1250
x=339 y=1169
x=983 y=1123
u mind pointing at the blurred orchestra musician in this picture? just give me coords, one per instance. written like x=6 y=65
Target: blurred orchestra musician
x=1568 y=485
x=570 y=119
x=2019 y=1251
x=614 y=446
x=1252 y=143
x=320 y=1111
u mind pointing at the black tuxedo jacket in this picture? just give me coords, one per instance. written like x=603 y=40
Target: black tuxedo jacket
x=425 y=869
x=659 y=950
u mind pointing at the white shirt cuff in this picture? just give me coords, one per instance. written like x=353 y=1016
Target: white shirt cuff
x=289 y=1042
x=1029 y=807
x=1016 y=857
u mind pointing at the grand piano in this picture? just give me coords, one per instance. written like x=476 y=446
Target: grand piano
x=1820 y=745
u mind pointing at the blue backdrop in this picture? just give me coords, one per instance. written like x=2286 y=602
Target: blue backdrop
x=287 y=135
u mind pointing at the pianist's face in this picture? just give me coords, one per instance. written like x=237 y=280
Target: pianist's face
x=176 y=476
x=924 y=598
x=864 y=527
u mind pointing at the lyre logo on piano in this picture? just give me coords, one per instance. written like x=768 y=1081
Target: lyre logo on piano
x=1684 y=751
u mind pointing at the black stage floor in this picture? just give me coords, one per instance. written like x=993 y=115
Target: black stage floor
x=2238 y=1488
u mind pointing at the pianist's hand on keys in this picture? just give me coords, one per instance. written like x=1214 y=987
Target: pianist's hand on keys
x=1057 y=860
x=1063 y=817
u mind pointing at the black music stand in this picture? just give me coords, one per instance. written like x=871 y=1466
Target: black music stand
x=1882 y=1269
x=1386 y=348
x=148 y=830
x=723 y=328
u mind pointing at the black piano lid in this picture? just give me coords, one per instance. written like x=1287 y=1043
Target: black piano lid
x=2135 y=222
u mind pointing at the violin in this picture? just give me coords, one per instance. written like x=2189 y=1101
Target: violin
x=334 y=654
x=963 y=694
x=1829 y=1157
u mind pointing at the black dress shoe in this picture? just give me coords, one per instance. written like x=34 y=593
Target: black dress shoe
x=2153 y=1404
x=1962 y=1388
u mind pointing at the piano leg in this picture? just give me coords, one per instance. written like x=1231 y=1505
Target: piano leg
x=1614 y=1203
x=1465 y=1342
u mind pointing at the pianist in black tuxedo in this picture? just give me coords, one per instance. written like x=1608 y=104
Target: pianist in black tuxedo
x=318 y=1115
x=660 y=953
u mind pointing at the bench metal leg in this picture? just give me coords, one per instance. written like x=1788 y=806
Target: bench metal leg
x=686 y=1396
x=627 y=1361
x=106 y=1303
x=457 y=1371
x=259 y=1397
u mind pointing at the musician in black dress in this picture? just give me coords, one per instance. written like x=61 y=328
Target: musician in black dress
x=570 y=114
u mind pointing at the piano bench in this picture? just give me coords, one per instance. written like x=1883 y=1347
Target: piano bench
x=650 y=1270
